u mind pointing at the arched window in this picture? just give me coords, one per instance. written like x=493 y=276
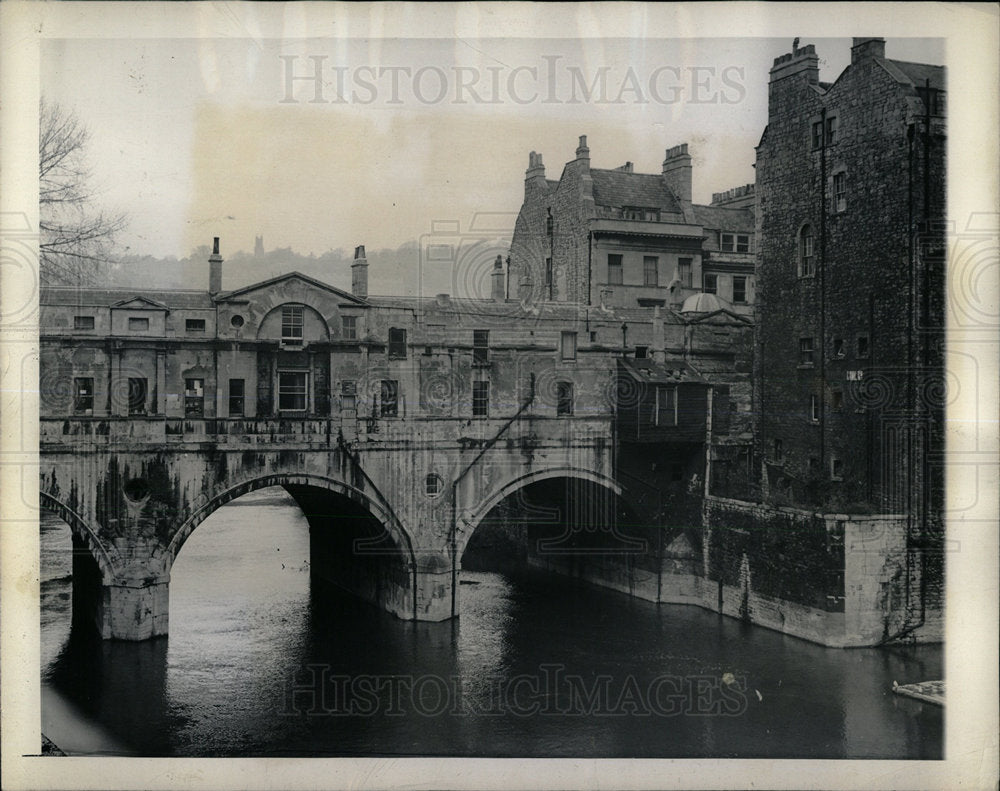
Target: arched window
x=807 y=252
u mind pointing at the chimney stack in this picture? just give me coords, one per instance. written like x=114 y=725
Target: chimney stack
x=497 y=292
x=583 y=153
x=867 y=48
x=215 y=268
x=677 y=172
x=359 y=273
x=802 y=61
x=535 y=174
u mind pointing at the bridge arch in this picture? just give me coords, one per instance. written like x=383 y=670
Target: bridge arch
x=469 y=524
x=376 y=506
x=83 y=534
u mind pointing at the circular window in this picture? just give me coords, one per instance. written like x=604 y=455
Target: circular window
x=433 y=485
x=136 y=490
x=236 y=321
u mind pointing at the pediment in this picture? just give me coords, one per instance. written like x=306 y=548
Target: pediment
x=139 y=303
x=292 y=286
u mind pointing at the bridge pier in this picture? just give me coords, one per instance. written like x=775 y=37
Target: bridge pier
x=133 y=611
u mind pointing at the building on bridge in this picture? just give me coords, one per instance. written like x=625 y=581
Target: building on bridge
x=403 y=420
x=625 y=239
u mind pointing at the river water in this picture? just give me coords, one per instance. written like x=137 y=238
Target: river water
x=258 y=664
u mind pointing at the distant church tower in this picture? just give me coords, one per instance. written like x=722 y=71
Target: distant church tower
x=258 y=246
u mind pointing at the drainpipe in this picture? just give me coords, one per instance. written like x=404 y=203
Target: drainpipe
x=822 y=294
x=453 y=533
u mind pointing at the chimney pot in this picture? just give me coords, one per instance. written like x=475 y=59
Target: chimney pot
x=215 y=269
x=359 y=273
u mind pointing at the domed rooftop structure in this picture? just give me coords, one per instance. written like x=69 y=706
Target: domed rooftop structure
x=704 y=303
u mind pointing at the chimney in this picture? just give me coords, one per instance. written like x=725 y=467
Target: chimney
x=626 y=168
x=802 y=61
x=215 y=268
x=677 y=172
x=863 y=49
x=583 y=153
x=535 y=174
x=359 y=273
x=497 y=292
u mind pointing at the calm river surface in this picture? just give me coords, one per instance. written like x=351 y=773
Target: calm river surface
x=258 y=664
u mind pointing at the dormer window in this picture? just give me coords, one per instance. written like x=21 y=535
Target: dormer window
x=645 y=213
x=291 y=325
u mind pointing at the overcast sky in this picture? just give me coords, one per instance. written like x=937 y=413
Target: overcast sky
x=235 y=138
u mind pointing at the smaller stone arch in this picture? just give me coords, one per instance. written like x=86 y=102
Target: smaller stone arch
x=83 y=532
x=468 y=525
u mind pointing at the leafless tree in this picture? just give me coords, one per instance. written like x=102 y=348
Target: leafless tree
x=76 y=236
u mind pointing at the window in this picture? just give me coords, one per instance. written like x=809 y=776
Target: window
x=837 y=400
x=348 y=395
x=684 y=266
x=739 y=290
x=136 y=324
x=567 y=346
x=83 y=396
x=194 y=397
x=615 y=276
x=548 y=274
x=389 y=402
x=137 y=396
x=710 y=284
x=862 y=346
x=433 y=485
x=814 y=408
x=840 y=192
x=236 y=391
x=817 y=134
x=194 y=325
x=836 y=469
x=397 y=342
x=734 y=242
x=838 y=347
x=549 y=224
x=832 y=126
x=237 y=321
x=807 y=254
x=666 y=406
x=293 y=391
x=805 y=351
x=813 y=465
x=778 y=450
x=641 y=352
x=350 y=325
x=83 y=322
x=291 y=325
x=480 y=347
x=480 y=399
x=650 y=275
x=564 y=398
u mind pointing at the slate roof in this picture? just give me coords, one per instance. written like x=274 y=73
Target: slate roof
x=720 y=218
x=918 y=73
x=671 y=372
x=616 y=188
x=106 y=297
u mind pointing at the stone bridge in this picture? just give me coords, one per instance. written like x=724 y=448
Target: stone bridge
x=133 y=489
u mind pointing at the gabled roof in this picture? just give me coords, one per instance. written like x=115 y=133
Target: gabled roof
x=616 y=188
x=71 y=296
x=721 y=218
x=145 y=301
x=917 y=73
x=232 y=295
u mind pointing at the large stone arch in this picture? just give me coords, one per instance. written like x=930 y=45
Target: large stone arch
x=375 y=505
x=468 y=524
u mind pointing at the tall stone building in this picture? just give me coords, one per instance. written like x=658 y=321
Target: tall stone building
x=849 y=351
x=617 y=238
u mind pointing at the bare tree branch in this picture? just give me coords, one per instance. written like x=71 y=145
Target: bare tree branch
x=76 y=238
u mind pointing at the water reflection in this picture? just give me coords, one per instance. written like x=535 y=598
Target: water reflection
x=258 y=662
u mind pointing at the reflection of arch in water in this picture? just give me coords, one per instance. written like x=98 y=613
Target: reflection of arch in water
x=372 y=558
x=558 y=543
x=93 y=566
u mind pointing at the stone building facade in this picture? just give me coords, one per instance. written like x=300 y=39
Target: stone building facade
x=626 y=239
